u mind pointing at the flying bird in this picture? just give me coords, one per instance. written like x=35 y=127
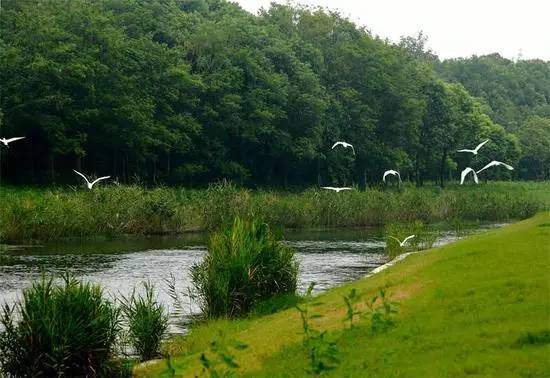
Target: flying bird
x=345 y=145
x=402 y=243
x=337 y=190
x=88 y=183
x=391 y=172
x=495 y=163
x=8 y=141
x=475 y=150
x=465 y=173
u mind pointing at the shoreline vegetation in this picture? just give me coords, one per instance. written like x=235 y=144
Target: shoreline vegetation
x=494 y=325
x=39 y=215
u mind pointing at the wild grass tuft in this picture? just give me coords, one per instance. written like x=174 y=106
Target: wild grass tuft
x=147 y=322
x=245 y=265
x=65 y=329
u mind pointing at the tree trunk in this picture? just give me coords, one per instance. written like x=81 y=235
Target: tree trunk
x=442 y=168
x=52 y=168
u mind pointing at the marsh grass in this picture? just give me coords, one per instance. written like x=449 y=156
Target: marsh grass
x=245 y=264
x=65 y=329
x=44 y=214
x=147 y=322
x=424 y=237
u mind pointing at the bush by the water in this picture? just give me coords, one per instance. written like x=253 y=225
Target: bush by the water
x=59 y=330
x=147 y=322
x=245 y=264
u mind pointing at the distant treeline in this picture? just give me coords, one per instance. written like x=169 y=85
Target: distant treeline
x=193 y=91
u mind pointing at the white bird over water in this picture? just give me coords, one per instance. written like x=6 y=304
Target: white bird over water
x=8 y=141
x=495 y=163
x=345 y=145
x=88 y=183
x=402 y=243
x=465 y=173
x=337 y=190
x=475 y=150
x=391 y=172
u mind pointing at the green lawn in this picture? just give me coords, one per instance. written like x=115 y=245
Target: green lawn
x=478 y=307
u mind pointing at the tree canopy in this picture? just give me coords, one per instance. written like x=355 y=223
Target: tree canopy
x=188 y=92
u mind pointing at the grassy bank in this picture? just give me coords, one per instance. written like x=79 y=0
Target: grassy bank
x=42 y=214
x=478 y=307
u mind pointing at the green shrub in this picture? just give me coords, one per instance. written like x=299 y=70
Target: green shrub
x=147 y=322
x=66 y=329
x=245 y=264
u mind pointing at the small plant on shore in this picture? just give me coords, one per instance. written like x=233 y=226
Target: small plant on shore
x=351 y=301
x=320 y=345
x=245 y=265
x=59 y=330
x=219 y=360
x=381 y=312
x=147 y=322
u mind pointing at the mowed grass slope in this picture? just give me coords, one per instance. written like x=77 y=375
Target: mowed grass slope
x=478 y=307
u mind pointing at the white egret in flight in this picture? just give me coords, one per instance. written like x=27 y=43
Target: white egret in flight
x=496 y=163
x=337 y=190
x=8 y=141
x=475 y=150
x=402 y=243
x=88 y=183
x=345 y=145
x=465 y=173
x=391 y=172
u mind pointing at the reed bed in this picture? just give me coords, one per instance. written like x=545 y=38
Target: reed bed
x=30 y=214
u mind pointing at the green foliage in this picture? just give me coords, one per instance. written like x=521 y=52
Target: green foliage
x=320 y=345
x=381 y=312
x=65 y=329
x=219 y=361
x=245 y=264
x=424 y=237
x=193 y=92
x=41 y=215
x=147 y=322
x=350 y=301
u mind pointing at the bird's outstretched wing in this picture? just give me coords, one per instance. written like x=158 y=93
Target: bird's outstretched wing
x=407 y=238
x=99 y=179
x=480 y=145
x=352 y=148
x=81 y=175
x=344 y=188
x=493 y=163
x=14 y=139
x=397 y=240
x=464 y=150
x=328 y=187
x=335 y=144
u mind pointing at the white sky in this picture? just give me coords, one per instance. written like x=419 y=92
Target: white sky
x=455 y=28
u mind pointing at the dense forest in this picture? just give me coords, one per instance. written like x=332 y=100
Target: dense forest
x=188 y=92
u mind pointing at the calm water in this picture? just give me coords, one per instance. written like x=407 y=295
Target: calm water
x=328 y=257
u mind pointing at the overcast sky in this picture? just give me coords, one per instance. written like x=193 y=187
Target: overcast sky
x=455 y=28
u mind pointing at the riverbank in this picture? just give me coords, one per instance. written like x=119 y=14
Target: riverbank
x=479 y=306
x=46 y=214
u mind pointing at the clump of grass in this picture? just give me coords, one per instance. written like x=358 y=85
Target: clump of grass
x=245 y=264
x=147 y=322
x=534 y=338
x=66 y=329
x=424 y=238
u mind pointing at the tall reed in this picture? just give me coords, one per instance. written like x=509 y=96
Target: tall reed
x=245 y=264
